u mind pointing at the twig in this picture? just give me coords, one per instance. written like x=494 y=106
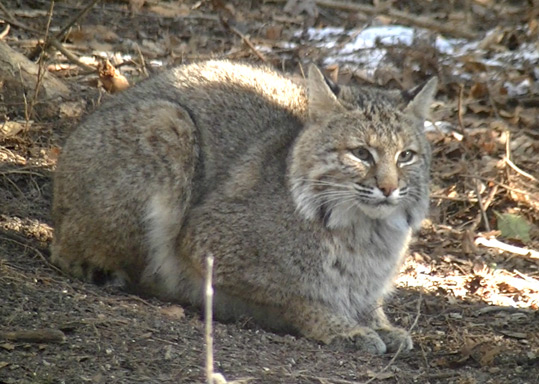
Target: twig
x=399 y=16
x=25 y=99
x=22 y=241
x=325 y=380
x=248 y=42
x=482 y=209
x=75 y=18
x=454 y=198
x=483 y=206
x=35 y=336
x=495 y=243
x=41 y=66
x=52 y=40
x=460 y=112
x=11 y=20
x=60 y=34
x=495 y=308
x=144 y=70
x=401 y=346
x=518 y=170
x=490 y=180
x=211 y=376
x=526 y=277
x=70 y=56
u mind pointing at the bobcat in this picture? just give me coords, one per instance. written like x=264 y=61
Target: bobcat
x=304 y=192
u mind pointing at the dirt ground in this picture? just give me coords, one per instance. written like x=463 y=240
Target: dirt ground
x=469 y=290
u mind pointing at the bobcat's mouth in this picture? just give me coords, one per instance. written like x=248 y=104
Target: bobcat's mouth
x=378 y=209
x=385 y=203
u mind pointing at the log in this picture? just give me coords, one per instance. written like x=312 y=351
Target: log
x=18 y=80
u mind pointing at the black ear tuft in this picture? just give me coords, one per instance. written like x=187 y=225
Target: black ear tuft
x=420 y=98
x=410 y=94
x=333 y=86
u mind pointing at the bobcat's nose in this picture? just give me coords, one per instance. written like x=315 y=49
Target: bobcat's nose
x=387 y=189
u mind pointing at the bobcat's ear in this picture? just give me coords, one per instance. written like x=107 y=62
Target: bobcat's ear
x=322 y=99
x=420 y=98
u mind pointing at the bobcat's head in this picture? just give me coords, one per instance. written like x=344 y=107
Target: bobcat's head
x=363 y=151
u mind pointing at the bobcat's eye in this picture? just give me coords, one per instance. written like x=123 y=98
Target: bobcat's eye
x=363 y=154
x=406 y=157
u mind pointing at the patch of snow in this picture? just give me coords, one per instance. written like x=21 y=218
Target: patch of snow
x=365 y=47
x=518 y=90
x=438 y=126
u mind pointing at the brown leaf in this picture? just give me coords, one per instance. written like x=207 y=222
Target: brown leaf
x=274 y=32
x=486 y=354
x=93 y=33
x=112 y=80
x=12 y=128
x=170 y=9
x=478 y=90
x=174 y=311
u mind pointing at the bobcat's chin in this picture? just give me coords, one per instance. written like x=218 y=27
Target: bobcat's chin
x=378 y=211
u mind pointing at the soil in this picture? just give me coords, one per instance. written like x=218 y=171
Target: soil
x=472 y=310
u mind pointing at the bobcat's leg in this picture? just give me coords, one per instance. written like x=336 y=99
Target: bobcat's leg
x=320 y=323
x=392 y=336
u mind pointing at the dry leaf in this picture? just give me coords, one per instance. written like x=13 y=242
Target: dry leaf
x=274 y=32
x=53 y=153
x=112 y=80
x=487 y=353
x=7 y=346
x=170 y=9
x=92 y=33
x=13 y=128
x=478 y=91
x=174 y=311
x=381 y=375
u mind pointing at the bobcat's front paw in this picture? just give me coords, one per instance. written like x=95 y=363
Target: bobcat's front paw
x=364 y=339
x=393 y=337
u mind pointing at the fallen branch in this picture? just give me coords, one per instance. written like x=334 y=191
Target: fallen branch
x=498 y=308
x=21 y=77
x=495 y=243
x=248 y=42
x=70 y=56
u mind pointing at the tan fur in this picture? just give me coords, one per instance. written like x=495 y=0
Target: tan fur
x=305 y=197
